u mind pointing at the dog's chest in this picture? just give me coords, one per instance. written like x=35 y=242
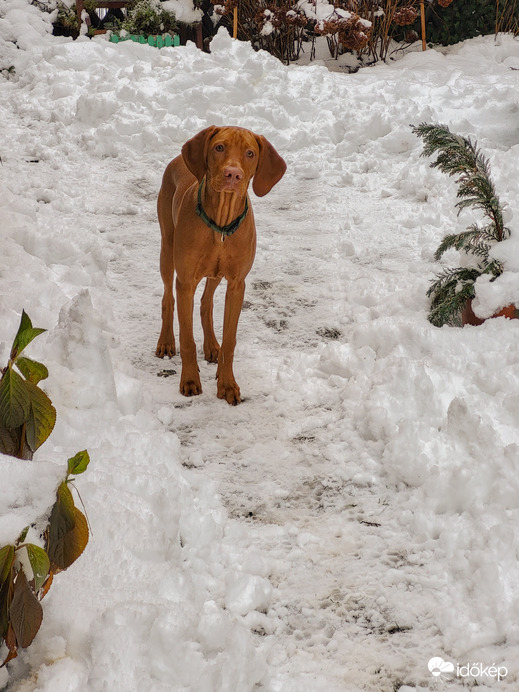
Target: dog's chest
x=227 y=256
x=218 y=260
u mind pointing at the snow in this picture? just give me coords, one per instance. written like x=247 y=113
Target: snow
x=27 y=497
x=184 y=10
x=267 y=27
x=357 y=514
x=322 y=10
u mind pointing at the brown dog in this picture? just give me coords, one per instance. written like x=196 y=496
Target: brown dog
x=208 y=230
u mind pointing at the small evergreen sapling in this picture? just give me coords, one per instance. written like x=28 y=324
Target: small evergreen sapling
x=459 y=156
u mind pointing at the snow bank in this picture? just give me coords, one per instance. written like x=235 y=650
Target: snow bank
x=23 y=24
x=458 y=446
x=28 y=497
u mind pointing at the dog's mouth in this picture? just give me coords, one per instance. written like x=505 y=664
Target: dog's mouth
x=220 y=185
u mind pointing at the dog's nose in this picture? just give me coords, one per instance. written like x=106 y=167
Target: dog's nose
x=232 y=174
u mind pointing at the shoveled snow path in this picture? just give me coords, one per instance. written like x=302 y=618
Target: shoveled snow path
x=354 y=599
x=292 y=467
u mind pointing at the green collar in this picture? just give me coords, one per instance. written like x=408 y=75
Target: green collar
x=224 y=230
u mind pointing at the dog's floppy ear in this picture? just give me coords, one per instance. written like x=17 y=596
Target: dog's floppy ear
x=194 y=151
x=270 y=170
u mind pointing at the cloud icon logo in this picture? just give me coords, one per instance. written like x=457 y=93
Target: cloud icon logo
x=437 y=666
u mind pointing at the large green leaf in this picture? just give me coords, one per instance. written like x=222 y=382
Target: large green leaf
x=62 y=514
x=78 y=463
x=14 y=400
x=69 y=545
x=41 y=419
x=25 y=611
x=6 y=561
x=40 y=564
x=62 y=537
x=32 y=370
x=25 y=334
x=75 y=541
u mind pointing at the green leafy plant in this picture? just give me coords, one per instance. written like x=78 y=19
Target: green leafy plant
x=27 y=416
x=21 y=613
x=23 y=587
x=449 y=23
x=67 y=533
x=66 y=21
x=459 y=156
x=148 y=17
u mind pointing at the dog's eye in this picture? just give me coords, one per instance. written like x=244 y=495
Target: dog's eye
x=250 y=153
x=219 y=147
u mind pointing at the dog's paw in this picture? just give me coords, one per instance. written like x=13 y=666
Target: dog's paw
x=164 y=349
x=211 y=354
x=230 y=392
x=190 y=387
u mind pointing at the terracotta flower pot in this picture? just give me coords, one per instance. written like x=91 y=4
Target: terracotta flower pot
x=510 y=311
x=468 y=316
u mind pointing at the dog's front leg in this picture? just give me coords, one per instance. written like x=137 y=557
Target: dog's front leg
x=166 y=342
x=227 y=387
x=211 y=345
x=190 y=377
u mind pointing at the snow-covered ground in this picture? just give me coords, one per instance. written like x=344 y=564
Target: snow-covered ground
x=357 y=515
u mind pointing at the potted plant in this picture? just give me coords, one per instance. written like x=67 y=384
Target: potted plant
x=454 y=289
